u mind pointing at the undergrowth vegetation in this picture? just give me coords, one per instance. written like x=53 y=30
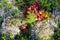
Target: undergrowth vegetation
x=34 y=11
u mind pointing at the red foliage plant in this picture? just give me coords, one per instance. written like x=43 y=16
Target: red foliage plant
x=25 y=28
x=36 y=8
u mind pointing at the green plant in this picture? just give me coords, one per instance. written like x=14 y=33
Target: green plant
x=19 y=3
x=56 y=2
x=24 y=3
x=49 y=5
x=11 y=36
x=31 y=19
x=16 y=13
x=58 y=24
x=25 y=37
x=56 y=35
x=3 y=3
x=15 y=22
x=4 y=37
x=1 y=20
x=22 y=38
x=32 y=1
x=8 y=6
x=18 y=36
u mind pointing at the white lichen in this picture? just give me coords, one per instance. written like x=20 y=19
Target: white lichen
x=44 y=30
x=8 y=27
